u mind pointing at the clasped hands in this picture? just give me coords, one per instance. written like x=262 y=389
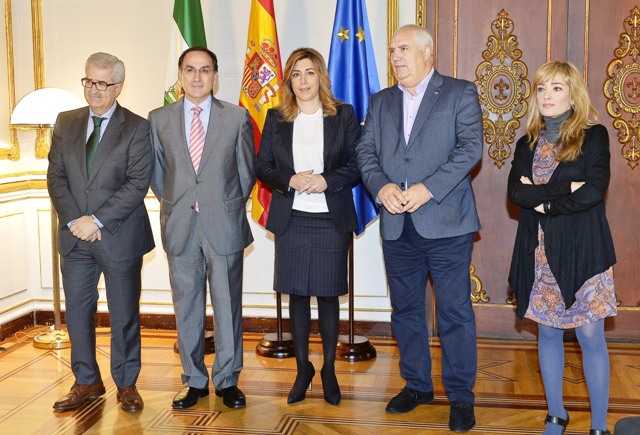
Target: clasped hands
x=398 y=201
x=575 y=185
x=86 y=229
x=308 y=182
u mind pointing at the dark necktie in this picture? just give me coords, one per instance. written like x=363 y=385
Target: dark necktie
x=92 y=143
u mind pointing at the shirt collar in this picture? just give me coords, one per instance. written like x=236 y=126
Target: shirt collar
x=107 y=115
x=206 y=104
x=420 y=87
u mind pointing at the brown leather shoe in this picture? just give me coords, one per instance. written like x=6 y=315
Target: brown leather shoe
x=130 y=398
x=78 y=395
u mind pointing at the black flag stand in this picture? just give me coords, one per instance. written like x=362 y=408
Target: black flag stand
x=278 y=345
x=353 y=347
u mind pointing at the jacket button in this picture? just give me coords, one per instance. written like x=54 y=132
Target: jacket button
x=402 y=185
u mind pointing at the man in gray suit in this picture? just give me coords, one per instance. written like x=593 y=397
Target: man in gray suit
x=99 y=172
x=203 y=176
x=421 y=139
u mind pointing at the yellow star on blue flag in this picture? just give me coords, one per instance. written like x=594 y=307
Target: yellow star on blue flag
x=354 y=77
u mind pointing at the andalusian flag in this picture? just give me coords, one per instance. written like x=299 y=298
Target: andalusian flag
x=260 y=86
x=188 y=31
x=354 y=77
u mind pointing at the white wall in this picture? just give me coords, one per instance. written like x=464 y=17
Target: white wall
x=137 y=31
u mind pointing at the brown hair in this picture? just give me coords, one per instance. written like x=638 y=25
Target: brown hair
x=583 y=115
x=288 y=106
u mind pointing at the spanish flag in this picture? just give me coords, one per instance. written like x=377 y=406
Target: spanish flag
x=261 y=86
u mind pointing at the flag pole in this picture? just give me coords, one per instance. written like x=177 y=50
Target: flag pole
x=353 y=347
x=280 y=344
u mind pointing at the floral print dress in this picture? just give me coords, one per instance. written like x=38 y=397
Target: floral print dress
x=596 y=298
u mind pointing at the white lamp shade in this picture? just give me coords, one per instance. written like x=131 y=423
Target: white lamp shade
x=42 y=106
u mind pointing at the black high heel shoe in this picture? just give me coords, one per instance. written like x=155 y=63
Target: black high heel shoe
x=330 y=386
x=559 y=421
x=303 y=380
x=599 y=432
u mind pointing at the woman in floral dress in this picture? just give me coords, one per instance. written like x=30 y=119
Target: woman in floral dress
x=561 y=270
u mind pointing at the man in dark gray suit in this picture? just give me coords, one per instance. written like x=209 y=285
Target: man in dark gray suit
x=99 y=172
x=203 y=176
x=421 y=140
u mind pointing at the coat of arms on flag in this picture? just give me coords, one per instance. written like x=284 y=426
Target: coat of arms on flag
x=260 y=81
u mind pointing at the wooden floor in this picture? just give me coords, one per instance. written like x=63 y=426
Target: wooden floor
x=510 y=397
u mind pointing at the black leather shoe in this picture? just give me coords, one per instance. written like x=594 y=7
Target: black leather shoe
x=232 y=397
x=599 y=432
x=188 y=396
x=407 y=400
x=461 y=418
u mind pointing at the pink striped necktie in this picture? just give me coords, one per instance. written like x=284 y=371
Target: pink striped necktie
x=196 y=142
x=196 y=139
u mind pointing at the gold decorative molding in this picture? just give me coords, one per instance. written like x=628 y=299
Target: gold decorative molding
x=622 y=88
x=585 y=66
x=421 y=13
x=13 y=152
x=43 y=140
x=455 y=38
x=478 y=294
x=511 y=300
x=503 y=88
x=393 y=21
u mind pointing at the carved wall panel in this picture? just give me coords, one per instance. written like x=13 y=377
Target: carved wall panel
x=503 y=88
x=622 y=89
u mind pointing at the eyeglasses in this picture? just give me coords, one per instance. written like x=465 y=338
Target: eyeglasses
x=100 y=85
x=191 y=71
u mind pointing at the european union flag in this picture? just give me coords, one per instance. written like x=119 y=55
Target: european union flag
x=354 y=77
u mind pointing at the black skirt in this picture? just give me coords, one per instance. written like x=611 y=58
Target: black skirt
x=311 y=257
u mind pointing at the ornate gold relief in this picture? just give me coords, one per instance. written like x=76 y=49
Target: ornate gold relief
x=13 y=152
x=393 y=21
x=478 y=294
x=421 y=13
x=622 y=88
x=511 y=300
x=503 y=87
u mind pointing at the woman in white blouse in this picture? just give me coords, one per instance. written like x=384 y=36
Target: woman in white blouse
x=307 y=157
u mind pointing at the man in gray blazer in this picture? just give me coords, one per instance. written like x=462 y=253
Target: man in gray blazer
x=99 y=172
x=421 y=139
x=203 y=176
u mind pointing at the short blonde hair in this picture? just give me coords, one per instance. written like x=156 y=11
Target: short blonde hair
x=584 y=115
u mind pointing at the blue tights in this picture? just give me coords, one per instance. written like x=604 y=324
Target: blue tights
x=595 y=362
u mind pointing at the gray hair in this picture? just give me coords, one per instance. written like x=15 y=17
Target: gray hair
x=422 y=35
x=106 y=60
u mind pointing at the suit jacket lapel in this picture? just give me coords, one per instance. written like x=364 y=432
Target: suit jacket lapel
x=285 y=130
x=213 y=130
x=110 y=139
x=79 y=129
x=396 y=113
x=176 y=118
x=429 y=100
x=330 y=129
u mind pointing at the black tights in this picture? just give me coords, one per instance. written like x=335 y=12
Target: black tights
x=328 y=318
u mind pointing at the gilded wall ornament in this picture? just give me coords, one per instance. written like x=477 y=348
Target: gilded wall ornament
x=503 y=88
x=478 y=294
x=622 y=89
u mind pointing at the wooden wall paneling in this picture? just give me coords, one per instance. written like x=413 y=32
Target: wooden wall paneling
x=576 y=31
x=623 y=202
x=493 y=247
x=557 y=36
